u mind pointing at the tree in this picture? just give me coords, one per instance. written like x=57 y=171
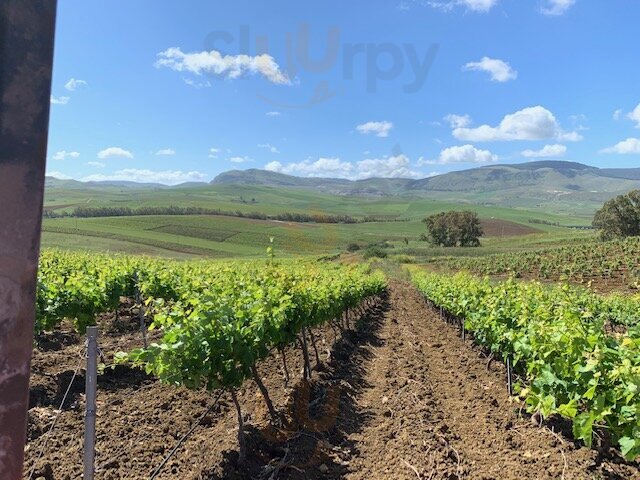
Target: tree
x=619 y=217
x=452 y=229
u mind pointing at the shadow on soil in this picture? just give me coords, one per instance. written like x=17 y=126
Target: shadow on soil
x=320 y=417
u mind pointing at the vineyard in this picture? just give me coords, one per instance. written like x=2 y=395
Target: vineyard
x=606 y=264
x=557 y=339
x=215 y=321
x=312 y=369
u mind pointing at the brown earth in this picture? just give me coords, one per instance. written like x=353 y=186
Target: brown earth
x=401 y=397
x=493 y=227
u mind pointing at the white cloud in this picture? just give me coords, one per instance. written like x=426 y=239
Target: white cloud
x=391 y=167
x=227 y=66
x=213 y=152
x=274 y=166
x=557 y=7
x=166 y=151
x=628 y=146
x=63 y=154
x=73 y=84
x=635 y=116
x=58 y=175
x=617 y=114
x=479 y=5
x=533 y=123
x=96 y=164
x=323 y=167
x=273 y=114
x=473 y=5
x=114 y=152
x=240 y=159
x=461 y=154
x=397 y=166
x=167 y=177
x=547 y=151
x=499 y=70
x=196 y=83
x=380 y=129
x=59 y=100
x=458 y=121
x=269 y=147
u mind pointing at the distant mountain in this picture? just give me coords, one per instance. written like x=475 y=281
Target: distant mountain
x=548 y=185
x=340 y=186
x=52 y=182
x=556 y=176
x=568 y=185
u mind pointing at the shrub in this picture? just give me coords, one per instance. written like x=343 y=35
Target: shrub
x=353 y=247
x=374 y=252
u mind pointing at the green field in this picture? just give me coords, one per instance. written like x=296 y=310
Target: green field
x=272 y=200
x=184 y=236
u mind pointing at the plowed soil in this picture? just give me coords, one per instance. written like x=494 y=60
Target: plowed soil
x=401 y=396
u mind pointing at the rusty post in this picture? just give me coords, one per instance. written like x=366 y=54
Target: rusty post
x=26 y=55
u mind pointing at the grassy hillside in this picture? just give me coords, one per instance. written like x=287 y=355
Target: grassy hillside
x=224 y=236
x=548 y=186
x=273 y=200
x=218 y=236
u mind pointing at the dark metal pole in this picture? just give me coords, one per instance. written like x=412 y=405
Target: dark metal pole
x=26 y=55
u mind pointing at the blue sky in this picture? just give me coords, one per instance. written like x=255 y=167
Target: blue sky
x=168 y=91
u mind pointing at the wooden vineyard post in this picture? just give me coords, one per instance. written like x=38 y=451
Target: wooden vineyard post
x=26 y=56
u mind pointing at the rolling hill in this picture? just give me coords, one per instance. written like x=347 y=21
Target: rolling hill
x=545 y=176
x=560 y=187
x=557 y=185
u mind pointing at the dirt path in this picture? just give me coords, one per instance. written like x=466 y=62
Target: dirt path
x=401 y=397
x=437 y=412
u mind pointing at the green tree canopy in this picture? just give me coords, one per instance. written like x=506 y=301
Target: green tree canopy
x=619 y=217
x=452 y=229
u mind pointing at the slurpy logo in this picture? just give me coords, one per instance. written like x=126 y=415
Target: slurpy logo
x=380 y=62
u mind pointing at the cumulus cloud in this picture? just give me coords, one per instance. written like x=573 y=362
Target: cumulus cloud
x=59 y=100
x=461 y=154
x=482 y=6
x=73 y=84
x=635 y=116
x=274 y=166
x=458 y=121
x=63 y=154
x=379 y=129
x=166 y=151
x=166 y=177
x=547 y=151
x=269 y=147
x=628 y=146
x=114 y=152
x=323 y=167
x=397 y=166
x=239 y=159
x=533 y=123
x=58 y=175
x=557 y=7
x=499 y=70
x=226 y=66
